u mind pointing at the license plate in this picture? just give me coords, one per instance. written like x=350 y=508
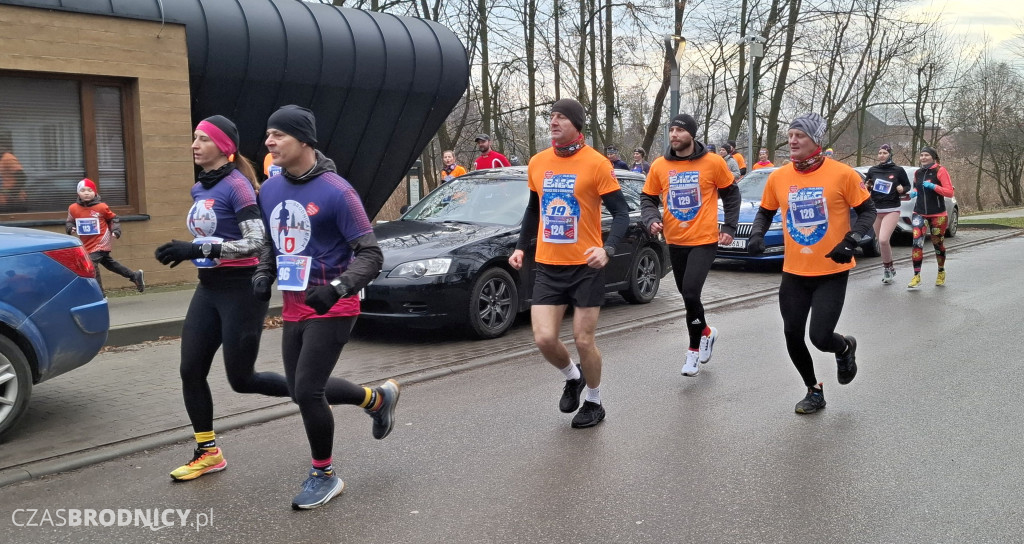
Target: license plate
x=736 y=243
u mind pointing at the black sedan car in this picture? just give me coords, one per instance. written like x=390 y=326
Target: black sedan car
x=446 y=259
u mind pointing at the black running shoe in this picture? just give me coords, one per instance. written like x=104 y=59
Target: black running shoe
x=814 y=401
x=591 y=414
x=571 y=394
x=847 y=363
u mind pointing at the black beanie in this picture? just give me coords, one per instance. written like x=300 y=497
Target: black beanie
x=295 y=121
x=572 y=110
x=931 y=151
x=687 y=123
x=226 y=126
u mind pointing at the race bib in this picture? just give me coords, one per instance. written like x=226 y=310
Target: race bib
x=273 y=170
x=808 y=212
x=87 y=226
x=684 y=198
x=560 y=229
x=293 y=272
x=882 y=186
x=206 y=263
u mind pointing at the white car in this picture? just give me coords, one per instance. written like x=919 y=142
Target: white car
x=907 y=206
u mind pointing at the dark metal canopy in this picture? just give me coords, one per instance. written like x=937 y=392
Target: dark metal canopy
x=380 y=85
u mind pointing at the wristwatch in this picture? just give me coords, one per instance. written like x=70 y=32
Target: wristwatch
x=206 y=248
x=339 y=287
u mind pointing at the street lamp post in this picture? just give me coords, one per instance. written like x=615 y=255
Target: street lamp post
x=755 y=49
x=674 y=46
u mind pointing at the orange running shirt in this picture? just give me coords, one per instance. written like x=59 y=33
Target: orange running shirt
x=739 y=160
x=815 y=213
x=689 y=192
x=570 y=190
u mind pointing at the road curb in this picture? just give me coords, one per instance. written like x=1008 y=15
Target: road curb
x=146 y=331
x=81 y=459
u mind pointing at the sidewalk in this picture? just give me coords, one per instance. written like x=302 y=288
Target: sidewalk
x=137 y=318
x=1016 y=212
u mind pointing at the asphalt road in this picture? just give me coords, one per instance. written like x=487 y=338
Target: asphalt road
x=924 y=446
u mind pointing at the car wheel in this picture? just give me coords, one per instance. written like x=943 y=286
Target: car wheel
x=954 y=222
x=15 y=384
x=493 y=303
x=644 y=278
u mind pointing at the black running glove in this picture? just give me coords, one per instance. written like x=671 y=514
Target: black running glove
x=755 y=245
x=175 y=251
x=843 y=252
x=261 y=287
x=321 y=298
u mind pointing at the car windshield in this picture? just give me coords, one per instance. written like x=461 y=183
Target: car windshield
x=752 y=185
x=499 y=201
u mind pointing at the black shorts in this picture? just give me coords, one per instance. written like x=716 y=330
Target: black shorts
x=576 y=284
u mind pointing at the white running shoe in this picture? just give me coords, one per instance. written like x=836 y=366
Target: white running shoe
x=707 y=343
x=692 y=366
x=888 y=275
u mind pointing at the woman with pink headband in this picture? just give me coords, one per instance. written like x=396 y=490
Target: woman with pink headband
x=225 y=221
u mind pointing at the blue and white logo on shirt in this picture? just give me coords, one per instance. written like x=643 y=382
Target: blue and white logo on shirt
x=807 y=217
x=290 y=227
x=560 y=209
x=202 y=219
x=684 y=195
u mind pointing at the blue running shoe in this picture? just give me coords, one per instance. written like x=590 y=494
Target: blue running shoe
x=384 y=417
x=317 y=490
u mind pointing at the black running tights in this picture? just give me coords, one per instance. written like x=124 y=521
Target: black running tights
x=223 y=312
x=822 y=297
x=691 y=265
x=310 y=349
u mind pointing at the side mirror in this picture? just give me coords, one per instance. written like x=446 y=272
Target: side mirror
x=403 y=209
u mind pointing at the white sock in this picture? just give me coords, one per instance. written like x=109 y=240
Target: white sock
x=571 y=372
x=594 y=395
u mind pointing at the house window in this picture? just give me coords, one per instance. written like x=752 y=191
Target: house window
x=54 y=131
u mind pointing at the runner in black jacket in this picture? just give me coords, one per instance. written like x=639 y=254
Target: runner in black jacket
x=886 y=181
x=932 y=187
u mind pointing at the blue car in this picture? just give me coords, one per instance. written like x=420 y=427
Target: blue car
x=53 y=316
x=751 y=189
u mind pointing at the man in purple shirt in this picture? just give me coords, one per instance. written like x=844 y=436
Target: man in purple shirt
x=322 y=251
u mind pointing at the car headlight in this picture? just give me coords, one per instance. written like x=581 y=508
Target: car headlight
x=423 y=267
x=776 y=225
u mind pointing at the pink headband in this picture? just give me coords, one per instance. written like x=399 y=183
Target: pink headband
x=221 y=140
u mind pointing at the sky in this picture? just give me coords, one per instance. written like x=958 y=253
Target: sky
x=1001 y=20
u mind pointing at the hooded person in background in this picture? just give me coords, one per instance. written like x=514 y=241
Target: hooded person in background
x=320 y=265
x=932 y=187
x=815 y=194
x=738 y=157
x=725 y=152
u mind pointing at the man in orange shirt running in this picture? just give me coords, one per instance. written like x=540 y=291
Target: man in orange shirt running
x=690 y=180
x=568 y=183
x=815 y=194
